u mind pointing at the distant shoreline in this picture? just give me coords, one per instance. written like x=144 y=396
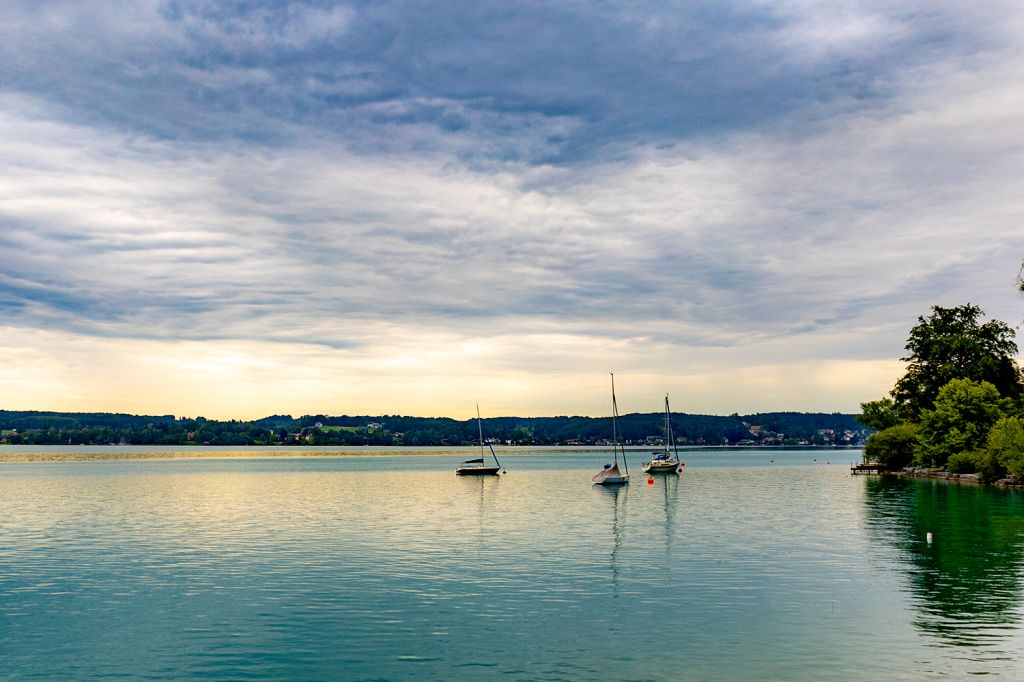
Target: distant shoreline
x=323 y=431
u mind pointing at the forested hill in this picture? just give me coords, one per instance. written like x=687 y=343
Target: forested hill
x=770 y=428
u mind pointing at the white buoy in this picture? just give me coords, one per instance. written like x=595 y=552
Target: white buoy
x=928 y=537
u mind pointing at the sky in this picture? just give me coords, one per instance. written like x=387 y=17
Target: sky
x=238 y=209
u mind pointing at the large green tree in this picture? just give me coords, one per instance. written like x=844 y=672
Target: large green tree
x=1006 y=444
x=892 y=447
x=879 y=414
x=953 y=344
x=965 y=411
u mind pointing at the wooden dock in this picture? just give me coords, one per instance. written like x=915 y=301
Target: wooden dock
x=867 y=468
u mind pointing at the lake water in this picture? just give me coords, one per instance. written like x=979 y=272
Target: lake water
x=392 y=568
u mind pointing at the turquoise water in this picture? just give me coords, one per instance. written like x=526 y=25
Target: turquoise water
x=382 y=568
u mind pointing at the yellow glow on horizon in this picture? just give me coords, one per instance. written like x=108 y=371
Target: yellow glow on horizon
x=434 y=375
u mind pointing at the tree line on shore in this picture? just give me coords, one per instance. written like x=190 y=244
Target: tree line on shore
x=775 y=428
x=960 y=404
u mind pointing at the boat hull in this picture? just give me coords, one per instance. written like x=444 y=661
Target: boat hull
x=661 y=467
x=611 y=476
x=477 y=471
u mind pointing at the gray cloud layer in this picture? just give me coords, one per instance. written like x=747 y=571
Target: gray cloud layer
x=695 y=174
x=525 y=81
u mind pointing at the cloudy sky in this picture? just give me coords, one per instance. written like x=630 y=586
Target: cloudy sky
x=239 y=209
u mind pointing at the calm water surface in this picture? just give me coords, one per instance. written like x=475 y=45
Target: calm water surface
x=382 y=568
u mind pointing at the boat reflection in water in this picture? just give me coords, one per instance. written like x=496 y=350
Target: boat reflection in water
x=616 y=495
x=670 y=491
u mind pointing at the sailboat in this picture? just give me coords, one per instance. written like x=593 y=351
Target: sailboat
x=476 y=467
x=611 y=474
x=665 y=462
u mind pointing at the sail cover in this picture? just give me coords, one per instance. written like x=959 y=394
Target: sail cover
x=474 y=461
x=610 y=472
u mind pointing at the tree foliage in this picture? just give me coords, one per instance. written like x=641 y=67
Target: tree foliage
x=892 y=447
x=879 y=414
x=1006 y=445
x=980 y=462
x=965 y=411
x=965 y=462
x=952 y=344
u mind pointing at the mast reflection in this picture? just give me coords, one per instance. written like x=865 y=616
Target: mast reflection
x=616 y=495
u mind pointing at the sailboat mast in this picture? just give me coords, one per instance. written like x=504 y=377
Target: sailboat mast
x=675 y=445
x=668 y=426
x=480 y=427
x=615 y=424
x=667 y=430
x=615 y=429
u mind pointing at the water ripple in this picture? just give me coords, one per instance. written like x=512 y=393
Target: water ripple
x=313 y=569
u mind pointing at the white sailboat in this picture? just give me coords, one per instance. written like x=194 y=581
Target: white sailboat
x=611 y=475
x=665 y=461
x=476 y=467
